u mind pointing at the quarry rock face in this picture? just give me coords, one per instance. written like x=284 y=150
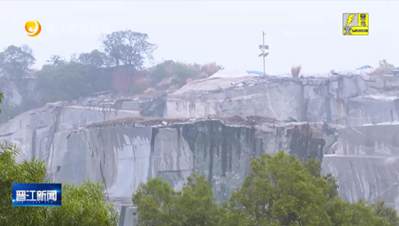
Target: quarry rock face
x=363 y=108
x=365 y=161
x=349 y=100
x=123 y=153
x=214 y=127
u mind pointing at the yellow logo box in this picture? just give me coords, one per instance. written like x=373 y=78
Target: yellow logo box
x=355 y=23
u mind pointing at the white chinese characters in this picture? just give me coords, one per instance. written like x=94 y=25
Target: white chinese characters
x=36 y=196
x=21 y=195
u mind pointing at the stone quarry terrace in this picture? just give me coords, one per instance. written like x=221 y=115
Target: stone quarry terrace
x=215 y=126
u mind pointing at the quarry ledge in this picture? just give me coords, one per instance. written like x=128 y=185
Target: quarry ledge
x=235 y=121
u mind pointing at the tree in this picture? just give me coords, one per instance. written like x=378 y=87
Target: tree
x=56 y=60
x=28 y=172
x=156 y=202
x=95 y=58
x=16 y=61
x=195 y=203
x=279 y=191
x=128 y=48
x=389 y=214
x=175 y=74
x=343 y=213
x=159 y=205
x=84 y=204
x=81 y=205
x=282 y=191
x=70 y=80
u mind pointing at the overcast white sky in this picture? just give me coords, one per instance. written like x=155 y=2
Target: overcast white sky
x=227 y=32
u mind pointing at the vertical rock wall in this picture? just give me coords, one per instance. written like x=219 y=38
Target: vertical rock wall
x=365 y=161
x=347 y=121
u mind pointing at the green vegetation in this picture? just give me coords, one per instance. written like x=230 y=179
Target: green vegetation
x=16 y=61
x=82 y=205
x=160 y=205
x=10 y=172
x=280 y=191
x=15 y=67
x=128 y=48
x=170 y=73
x=116 y=68
x=95 y=58
x=69 y=80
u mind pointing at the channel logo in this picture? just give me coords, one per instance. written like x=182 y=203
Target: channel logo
x=33 y=28
x=355 y=23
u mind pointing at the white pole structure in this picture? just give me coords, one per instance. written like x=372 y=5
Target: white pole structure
x=264 y=52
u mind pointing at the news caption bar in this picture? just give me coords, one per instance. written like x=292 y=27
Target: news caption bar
x=36 y=194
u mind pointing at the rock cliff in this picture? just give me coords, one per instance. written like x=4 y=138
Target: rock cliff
x=215 y=126
x=348 y=99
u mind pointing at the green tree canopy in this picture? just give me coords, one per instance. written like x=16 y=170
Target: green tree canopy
x=69 y=80
x=279 y=191
x=25 y=172
x=82 y=205
x=389 y=214
x=16 y=61
x=95 y=58
x=128 y=48
x=160 y=205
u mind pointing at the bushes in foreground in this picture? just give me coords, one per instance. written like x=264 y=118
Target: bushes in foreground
x=279 y=191
x=82 y=205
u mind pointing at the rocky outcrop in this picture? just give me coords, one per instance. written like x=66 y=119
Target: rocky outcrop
x=215 y=126
x=351 y=99
x=363 y=107
x=122 y=153
x=365 y=161
x=39 y=129
x=79 y=144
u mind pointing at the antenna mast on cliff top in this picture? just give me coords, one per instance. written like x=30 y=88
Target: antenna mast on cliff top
x=264 y=52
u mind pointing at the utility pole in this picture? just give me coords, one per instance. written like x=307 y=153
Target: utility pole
x=264 y=52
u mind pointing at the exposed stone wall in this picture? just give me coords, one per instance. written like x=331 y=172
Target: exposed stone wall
x=215 y=127
x=123 y=153
x=365 y=161
x=348 y=100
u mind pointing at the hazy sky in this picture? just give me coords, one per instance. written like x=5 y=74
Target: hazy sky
x=227 y=32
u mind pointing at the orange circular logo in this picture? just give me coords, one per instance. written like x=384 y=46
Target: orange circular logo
x=33 y=28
